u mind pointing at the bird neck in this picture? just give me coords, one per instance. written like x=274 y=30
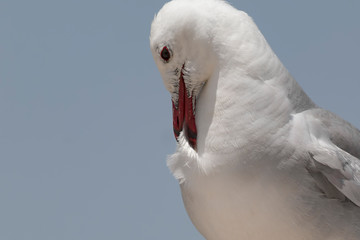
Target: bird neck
x=250 y=94
x=244 y=103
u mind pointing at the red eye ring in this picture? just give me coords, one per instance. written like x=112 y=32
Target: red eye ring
x=165 y=54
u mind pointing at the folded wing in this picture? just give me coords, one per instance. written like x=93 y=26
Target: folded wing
x=335 y=155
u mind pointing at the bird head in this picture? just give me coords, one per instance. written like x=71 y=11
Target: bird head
x=213 y=56
x=180 y=42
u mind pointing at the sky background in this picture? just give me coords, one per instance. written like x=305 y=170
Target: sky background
x=85 y=121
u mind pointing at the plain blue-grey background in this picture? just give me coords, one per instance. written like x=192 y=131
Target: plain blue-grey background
x=85 y=122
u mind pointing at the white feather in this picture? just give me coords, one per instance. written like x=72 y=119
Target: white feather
x=267 y=157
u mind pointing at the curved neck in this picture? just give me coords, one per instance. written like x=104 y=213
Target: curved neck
x=248 y=98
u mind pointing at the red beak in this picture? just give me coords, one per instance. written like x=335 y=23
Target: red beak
x=184 y=115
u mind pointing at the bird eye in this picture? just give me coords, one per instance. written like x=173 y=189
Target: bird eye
x=165 y=54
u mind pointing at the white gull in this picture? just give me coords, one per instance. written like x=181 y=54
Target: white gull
x=256 y=158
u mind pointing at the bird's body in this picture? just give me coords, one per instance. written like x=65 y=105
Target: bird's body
x=261 y=160
x=264 y=194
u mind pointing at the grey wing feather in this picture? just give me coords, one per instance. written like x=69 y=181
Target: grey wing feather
x=341 y=133
x=336 y=166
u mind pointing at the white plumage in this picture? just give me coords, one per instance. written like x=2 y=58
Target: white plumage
x=266 y=162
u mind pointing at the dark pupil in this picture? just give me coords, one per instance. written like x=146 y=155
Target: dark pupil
x=165 y=54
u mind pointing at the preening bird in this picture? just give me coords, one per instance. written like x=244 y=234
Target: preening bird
x=255 y=158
